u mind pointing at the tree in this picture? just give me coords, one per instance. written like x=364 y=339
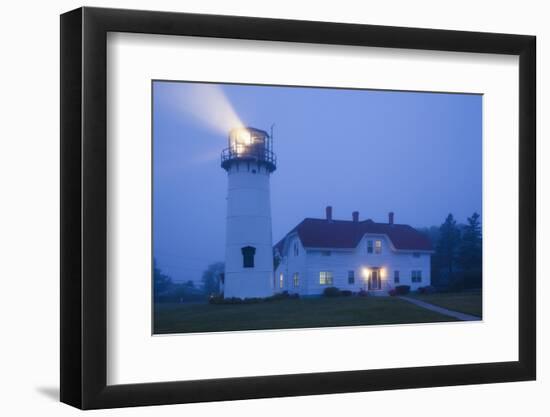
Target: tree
x=211 y=278
x=447 y=246
x=161 y=282
x=470 y=252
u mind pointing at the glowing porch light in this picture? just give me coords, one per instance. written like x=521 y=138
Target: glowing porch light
x=382 y=273
x=366 y=273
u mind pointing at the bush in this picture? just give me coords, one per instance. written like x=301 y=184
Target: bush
x=331 y=292
x=346 y=293
x=219 y=299
x=392 y=292
x=402 y=289
x=232 y=300
x=362 y=293
x=428 y=289
x=278 y=296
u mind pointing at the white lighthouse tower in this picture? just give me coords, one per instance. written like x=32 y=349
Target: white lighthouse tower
x=249 y=161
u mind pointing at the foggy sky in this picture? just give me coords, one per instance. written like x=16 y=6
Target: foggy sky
x=417 y=154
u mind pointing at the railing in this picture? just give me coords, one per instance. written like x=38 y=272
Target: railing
x=249 y=154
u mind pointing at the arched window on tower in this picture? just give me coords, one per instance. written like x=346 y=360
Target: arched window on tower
x=248 y=256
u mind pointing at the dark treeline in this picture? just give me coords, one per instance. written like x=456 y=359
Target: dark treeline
x=457 y=261
x=166 y=290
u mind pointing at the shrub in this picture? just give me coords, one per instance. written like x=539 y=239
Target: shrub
x=392 y=292
x=428 y=289
x=219 y=299
x=331 y=292
x=346 y=293
x=402 y=289
x=362 y=293
x=232 y=300
x=279 y=296
x=251 y=300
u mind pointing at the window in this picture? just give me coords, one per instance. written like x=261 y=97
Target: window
x=396 y=277
x=325 y=278
x=296 y=280
x=369 y=246
x=416 y=276
x=281 y=280
x=378 y=247
x=325 y=253
x=351 y=277
x=248 y=256
x=416 y=255
x=296 y=249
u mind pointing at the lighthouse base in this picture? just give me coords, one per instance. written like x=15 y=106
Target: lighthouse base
x=238 y=285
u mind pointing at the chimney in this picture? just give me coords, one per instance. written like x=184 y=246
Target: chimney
x=329 y=213
x=390 y=217
x=355 y=216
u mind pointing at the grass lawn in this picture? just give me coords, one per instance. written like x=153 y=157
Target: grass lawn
x=289 y=313
x=468 y=302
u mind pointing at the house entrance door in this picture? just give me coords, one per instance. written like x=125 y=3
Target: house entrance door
x=374 y=279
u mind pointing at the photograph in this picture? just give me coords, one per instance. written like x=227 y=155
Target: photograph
x=294 y=207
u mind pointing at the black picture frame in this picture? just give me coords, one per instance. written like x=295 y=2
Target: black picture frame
x=84 y=207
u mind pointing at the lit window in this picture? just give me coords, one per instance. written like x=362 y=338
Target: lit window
x=416 y=255
x=369 y=246
x=351 y=277
x=296 y=280
x=378 y=247
x=325 y=253
x=281 y=280
x=396 y=277
x=416 y=276
x=325 y=278
x=248 y=256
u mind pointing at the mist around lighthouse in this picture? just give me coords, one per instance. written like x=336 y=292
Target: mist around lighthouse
x=281 y=207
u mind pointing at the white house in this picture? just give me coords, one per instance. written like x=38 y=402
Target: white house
x=351 y=255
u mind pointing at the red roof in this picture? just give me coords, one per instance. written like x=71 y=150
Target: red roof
x=346 y=234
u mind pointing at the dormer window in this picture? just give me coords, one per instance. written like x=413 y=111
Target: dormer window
x=248 y=256
x=377 y=247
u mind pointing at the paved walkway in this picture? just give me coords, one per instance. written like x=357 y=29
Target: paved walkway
x=441 y=310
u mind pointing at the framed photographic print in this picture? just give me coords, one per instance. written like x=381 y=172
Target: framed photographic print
x=259 y=207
